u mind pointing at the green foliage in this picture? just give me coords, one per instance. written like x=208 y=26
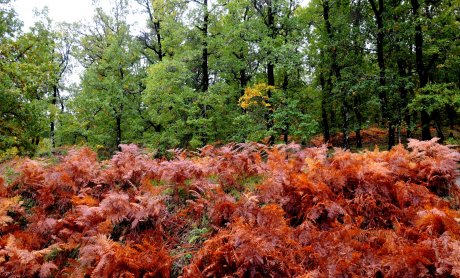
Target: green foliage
x=8 y=154
x=436 y=97
x=196 y=235
x=108 y=106
x=192 y=75
x=28 y=70
x=171 y=103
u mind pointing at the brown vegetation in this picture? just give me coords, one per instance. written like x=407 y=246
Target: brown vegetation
x=242 y=210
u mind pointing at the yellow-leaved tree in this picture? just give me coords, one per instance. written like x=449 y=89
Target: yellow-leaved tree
x=256 y=95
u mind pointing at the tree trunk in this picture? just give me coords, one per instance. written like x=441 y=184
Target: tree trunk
x=286 y=128
x=326 y=131
x=243 y=81
x=324 y=119
x=269 y=114
x=345 y=124
x=425 y=117
x=270 y=73
x=160 y=47
x=36 y=141
x=405 y=99
x=439 y=132
x=391 y=135
x=451 y=115
x=205 y=54
x=378 y=13
x=205 y=66
x=118 y=131
x=157 y=28
x=52 y=127
x=359 y=118
x=422 y=74
x=335 y=70
x=438 y=126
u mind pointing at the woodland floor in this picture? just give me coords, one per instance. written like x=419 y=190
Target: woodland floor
x=240 y=210
x=374 y=136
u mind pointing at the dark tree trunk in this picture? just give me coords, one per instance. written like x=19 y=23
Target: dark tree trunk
x=52 y=124
x=345 y=124
x=438 y=126
x=391 y=135
x=405 y=99
x=422 y=74
x=269 y=114
x=157 y=27
x=243 y=80
x=451 y=115
x=243 y=83
x=439 y=132
x=286 y=134
x=286 y=128
x=52 y=133
x=242 y=75
x=205 y=65
x=118 y=131
x=36 y=141
x=335 y=70
x=326 y=131
x=358 y=52
x=205 y=54
x=386 y=113
x=426 y=134
x=324 y=119
x=119 y=113
x=270 y=72
x=407 y=119
x=359 y=118
x=359 y=140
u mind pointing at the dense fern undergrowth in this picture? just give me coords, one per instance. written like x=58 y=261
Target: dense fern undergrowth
x=241 y=210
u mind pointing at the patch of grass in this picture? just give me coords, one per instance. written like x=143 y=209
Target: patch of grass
x=52 y=255
x=157 y=182
x=249 y=183
x=8 y=154
x=28 y=204
x=196 y=235
x=73 y=254
x=44 y=148
x=183 y=257
x=452 y=141
x=214 y=178
x=10 y=175
x=235 y=193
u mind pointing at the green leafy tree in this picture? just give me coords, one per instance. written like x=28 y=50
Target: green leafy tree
x=164 y=31
x=109 y=102
x=28 y=72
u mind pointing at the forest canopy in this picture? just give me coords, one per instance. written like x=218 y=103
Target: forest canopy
x=215 y=71
x=164 y=159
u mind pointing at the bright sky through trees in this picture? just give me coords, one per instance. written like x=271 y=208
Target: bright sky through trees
x=68 y=11
x=72 y=11
x=62 y=10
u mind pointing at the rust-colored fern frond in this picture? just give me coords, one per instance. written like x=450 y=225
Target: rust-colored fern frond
x=240 y=210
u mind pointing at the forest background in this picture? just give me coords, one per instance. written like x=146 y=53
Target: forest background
x=218 y=71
